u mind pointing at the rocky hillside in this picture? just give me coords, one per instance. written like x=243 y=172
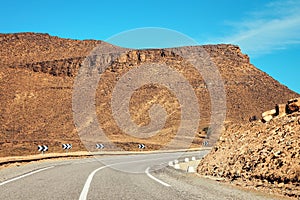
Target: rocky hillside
x=258 y=155
x=37 y=74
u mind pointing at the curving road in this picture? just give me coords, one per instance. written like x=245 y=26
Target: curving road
x=114 y=177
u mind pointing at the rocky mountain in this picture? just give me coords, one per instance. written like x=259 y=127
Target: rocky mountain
x=257 y=155
x=37 y=74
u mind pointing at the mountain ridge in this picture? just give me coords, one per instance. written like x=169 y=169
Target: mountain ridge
x=36 y=68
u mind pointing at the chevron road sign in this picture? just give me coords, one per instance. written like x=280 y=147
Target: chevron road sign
x=205 y=143
x=42 y=148
x=67 y=146
x=142 y=146
x=99 y=146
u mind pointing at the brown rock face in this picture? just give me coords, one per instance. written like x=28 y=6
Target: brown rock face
x=37 y=74
x=29 y=48
x=293 y=105
x=259 y=155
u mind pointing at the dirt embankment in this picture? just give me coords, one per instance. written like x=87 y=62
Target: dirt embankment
x=257 y=155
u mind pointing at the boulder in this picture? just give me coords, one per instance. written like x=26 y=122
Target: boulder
x=281 y=110
x=293 y=105
x=269 y=112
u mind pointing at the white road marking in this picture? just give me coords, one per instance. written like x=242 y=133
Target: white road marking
x=85 y=190
x=24 y=175
x=87 y=184
x=156 y=179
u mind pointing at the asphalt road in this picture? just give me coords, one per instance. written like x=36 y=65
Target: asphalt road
x=114 y=177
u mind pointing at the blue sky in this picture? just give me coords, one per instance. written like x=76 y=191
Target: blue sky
x=268 y=31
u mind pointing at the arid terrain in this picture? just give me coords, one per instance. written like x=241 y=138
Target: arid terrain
x=258 y=155
x=37 y=74
x=37 y=77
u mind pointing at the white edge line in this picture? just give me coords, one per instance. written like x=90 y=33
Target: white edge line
x=85 y=190
x=24 y=175
x=87 y=184
x=156 y=179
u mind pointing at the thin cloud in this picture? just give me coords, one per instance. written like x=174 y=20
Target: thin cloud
x=276 y=27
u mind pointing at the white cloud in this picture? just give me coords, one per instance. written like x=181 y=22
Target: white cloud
x=275 y=27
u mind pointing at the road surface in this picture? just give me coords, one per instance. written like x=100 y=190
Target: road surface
x=114 y=177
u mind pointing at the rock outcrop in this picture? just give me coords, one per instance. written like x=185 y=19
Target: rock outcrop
x=293 y=105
